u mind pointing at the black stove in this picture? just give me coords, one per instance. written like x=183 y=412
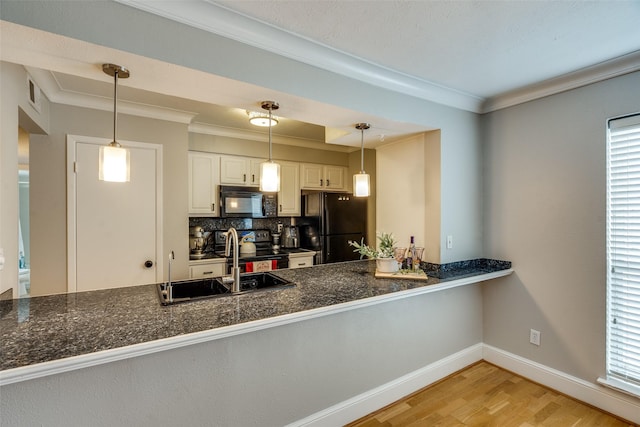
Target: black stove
x=263 y=259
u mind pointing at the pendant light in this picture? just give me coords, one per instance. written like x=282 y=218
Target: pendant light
x=261 y=119
x=361 y=187
x=270 y=171
x=114 y=162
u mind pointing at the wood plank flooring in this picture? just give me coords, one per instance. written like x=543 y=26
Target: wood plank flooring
x=485 y=395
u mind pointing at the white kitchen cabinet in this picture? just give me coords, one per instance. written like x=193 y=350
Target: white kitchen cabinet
x=323 y=177
x=301 y=259
x=237 y=170
x=289 y=194
x=204 y=178
x=335 y=177
x=208 y=268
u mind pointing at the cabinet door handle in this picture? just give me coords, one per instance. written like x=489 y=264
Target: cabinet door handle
x=302 y=263
x=213 y=207
x=244 y=177
x=321 y=181
x=280 y=208
x=253 y=177
x=328 y=183
x=207 y=272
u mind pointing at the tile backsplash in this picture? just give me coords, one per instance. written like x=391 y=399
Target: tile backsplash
x=212 y=224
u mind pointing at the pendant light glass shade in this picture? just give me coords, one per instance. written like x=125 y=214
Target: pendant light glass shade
x=361 y=187
x=361 y=183
x=269 y=177
x=114 y=161
x=114 y=164
x=261 y=119
x=270 y=171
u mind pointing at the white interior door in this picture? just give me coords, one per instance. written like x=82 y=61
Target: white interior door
x=114 y=228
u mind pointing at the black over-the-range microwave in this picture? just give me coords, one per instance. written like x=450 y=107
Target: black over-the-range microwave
x=247 y=202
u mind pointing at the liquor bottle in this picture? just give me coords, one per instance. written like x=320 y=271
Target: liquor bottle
x=411 y=254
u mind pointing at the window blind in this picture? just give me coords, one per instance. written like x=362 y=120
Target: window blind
x=623 y=253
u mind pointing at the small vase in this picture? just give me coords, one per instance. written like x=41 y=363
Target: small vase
x=386 y=265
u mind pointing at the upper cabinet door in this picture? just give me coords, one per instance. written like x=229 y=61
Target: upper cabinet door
x=253 y=178
x=289 y=196
x=234 y=170
x=323 y=177
x=204 y=178
x=335 y=177
x=312 y=176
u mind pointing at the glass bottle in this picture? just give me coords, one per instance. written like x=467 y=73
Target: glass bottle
x=411 y=254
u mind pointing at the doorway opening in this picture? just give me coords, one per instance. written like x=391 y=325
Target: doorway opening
x=24 y=239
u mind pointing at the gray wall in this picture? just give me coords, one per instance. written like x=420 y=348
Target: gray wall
x=48 y=187
x=267 y=378
x=545 y=196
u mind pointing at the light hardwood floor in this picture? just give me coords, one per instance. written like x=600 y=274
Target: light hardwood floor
x=485 y=395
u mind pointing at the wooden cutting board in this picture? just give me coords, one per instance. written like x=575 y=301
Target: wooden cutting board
x=414 y=275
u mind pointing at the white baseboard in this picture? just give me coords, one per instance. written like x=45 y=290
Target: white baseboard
x=601 y=397
x=372 y=400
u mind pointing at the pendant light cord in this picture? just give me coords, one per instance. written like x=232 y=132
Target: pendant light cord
x=270 y=109
x=115 y=108
x=362 y=150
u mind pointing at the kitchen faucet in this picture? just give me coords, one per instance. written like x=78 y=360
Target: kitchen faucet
x=234 y=278
x=169 y=286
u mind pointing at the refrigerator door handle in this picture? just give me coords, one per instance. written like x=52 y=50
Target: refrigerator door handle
x=327 y=250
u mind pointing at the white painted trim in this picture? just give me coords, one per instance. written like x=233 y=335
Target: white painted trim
x=30 y=372
x=72 y=141
x=379 y=397
x=219 y=20
x=601 y=397
x=57 y=95
x=603 y=71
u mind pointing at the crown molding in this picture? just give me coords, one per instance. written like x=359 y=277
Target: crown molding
x=214 y=18
x=605 y=70
x=219 y=20
x=50 y=87
x=209 y=129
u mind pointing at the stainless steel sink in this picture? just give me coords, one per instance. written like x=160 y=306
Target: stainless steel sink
x=193 y=290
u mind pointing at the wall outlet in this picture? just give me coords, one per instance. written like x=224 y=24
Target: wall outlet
x=534 y=337
x=450 y=242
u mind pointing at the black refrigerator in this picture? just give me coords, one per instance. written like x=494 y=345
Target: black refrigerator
x=329 y=221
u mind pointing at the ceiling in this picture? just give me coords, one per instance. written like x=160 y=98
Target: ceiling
x=481 y=48
x=474 y=55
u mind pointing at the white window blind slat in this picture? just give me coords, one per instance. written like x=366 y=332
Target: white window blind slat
x=623 y=251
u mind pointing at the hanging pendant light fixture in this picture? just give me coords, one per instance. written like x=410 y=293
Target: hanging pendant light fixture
x=361 y=187
x=114 y=162
x=270 y=171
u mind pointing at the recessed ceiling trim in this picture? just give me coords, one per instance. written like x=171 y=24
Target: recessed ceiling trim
x=219 y=20
x=57 y=95
x=209 y=129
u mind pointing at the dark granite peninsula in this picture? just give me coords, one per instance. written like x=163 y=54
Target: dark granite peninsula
x=106 y=324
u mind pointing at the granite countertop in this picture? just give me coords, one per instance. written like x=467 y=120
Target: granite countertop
x=41 y=329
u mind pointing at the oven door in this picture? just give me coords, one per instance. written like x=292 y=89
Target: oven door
x=275 y=262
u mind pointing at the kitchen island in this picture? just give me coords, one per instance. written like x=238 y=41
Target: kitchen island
x=52 y=328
